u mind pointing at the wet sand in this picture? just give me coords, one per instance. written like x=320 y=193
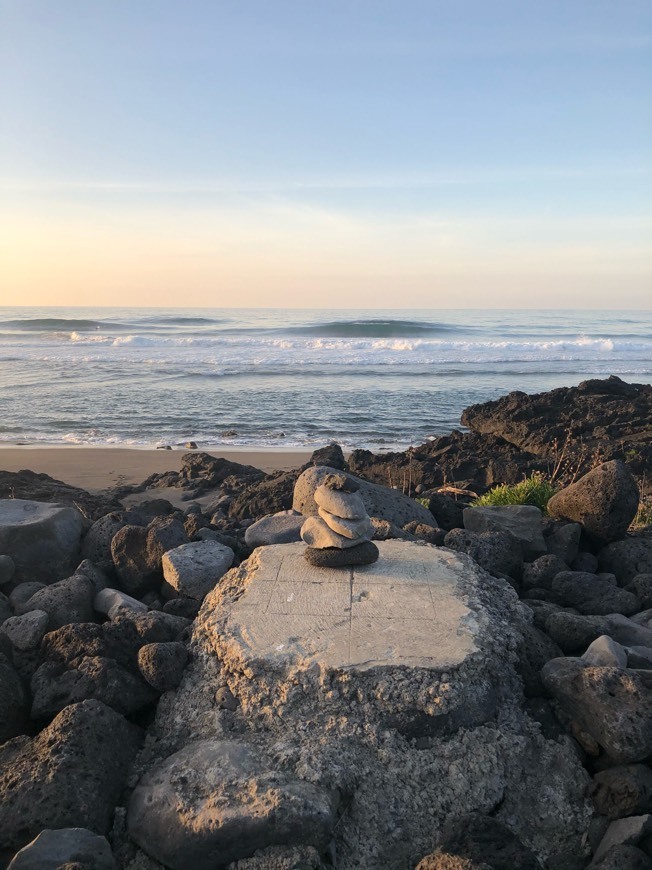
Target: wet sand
x=98 y=468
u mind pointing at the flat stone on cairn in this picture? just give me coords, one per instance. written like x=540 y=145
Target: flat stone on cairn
x=341 y=534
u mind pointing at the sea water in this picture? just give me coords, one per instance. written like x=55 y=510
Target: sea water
x=290 y=378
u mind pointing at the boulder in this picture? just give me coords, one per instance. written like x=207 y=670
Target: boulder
x=5 y=608
x=97 y=543
x=628 y=558
x=613 y=705
x=540 y=573
x=13 y=713
x=604 y=501
x=641 y=586
x=162 y=664
x=498 y=552
x=522 y=521
x=137 y=552
x=535 y=650
x=562 y=539
x=622 y=791
x=625 y=832
x=67 y=601
x=574 y=632
x=26 y=631
x=42 y=539
x=448 y=512
x=588 y=594
x=66 y=846
x=623 y=858
x=271 y=495
x=217 y=801
x=19 y=596
x=74 y=769
x=281 y=528
x=7 y=570
x=379 y=501
x=193 y=569
x=605 y=652
x=110 y=602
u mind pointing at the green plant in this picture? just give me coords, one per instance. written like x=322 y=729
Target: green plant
x=643 y=515
x=422 y=500
x=536 y=489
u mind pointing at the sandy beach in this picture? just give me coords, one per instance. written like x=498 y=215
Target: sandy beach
x=98 y=468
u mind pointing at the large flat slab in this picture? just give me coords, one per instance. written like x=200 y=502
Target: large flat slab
x=405 y=609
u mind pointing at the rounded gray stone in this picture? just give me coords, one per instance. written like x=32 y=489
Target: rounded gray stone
x=162 y=664
x=332 y=557
x=26 y=631
x=280 y=528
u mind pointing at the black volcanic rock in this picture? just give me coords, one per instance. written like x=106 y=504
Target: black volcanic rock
x=608 y=417
x=41 y=487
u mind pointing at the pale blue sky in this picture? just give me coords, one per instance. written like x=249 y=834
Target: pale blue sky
x=389 y=153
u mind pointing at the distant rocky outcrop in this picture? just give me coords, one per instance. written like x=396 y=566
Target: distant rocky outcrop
x=41 y=487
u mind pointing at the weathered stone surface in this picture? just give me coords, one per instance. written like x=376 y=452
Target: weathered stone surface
x=194 y=569
x=535 y=650
x=613 y=705
x=217 y=801
x=56 y=684
x=19 y=596
x=628 y=558
x=448 y=512
x=67 y=601
x=42 y=539
x=574 y=632
x=280 y=528
x=522 y=521
x=7 y=569
x=74 y=769
x=317 y=534
x=345 y=504
x=604 y=501
x=624 y=832
x=66 y=846
x=606 y=653
x=162 y=664
x=26 y=632
x=41 y=488
x=97 y=542
x=540 y=573
x=623 y=858
x=359 y=529
x=589 y=594
x=622 y=791
x=497 y=552
x=328 y=672
x=137 y=552
x=111 y=601
x=334 y=557
x=379 y=501
x=13 y=713
x=562 y=539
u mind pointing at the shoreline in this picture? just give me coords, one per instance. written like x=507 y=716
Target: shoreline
x=99 y=468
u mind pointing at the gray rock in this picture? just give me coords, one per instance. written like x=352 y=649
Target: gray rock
x=162 y=664
x=95 y=575
x=613 y=705
x=535 y=650
x=622 y=791
x=26 y=631
x=19 y=596
x=347 y=505
x=604 y=501
x=334 y=557
x=623 y=858
x=108 y=600
x=639 y=657
x=499 y=553
x=13 y=712
x=575 y=632
x=379 y=501
x=5 y=608
x=97 y=543
x=541 y=610
x=74 y=769
x=641 y=586
x=137 y=552
x=447 y=511
x=42 y=539
x=522 y=521
x=563 y=540
x=52 y=849
x=540 y=573
x=64 y=602
x=194 y=569
x=590 y=595
x=280 y=528
x=643 y=618
x=56 y=684
x=318 y=535
x=7 y=569
x=605 y=652
x=624 y=832
x=217 y=801
x=360 y=529
x=585 y=561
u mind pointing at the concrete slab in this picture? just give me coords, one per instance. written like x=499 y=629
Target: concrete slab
x=404 y=609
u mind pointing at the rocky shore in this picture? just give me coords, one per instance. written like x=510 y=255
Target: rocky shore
x=183 y=688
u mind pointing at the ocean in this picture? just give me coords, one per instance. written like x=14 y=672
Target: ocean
x=290 y=378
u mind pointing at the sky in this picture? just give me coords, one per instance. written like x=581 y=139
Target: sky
x=323 y=153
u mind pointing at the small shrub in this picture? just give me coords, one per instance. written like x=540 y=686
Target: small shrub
x=536 y=489
x=423 y=500
x=643 y=516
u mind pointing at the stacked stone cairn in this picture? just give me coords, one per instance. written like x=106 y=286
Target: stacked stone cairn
x=341 y=534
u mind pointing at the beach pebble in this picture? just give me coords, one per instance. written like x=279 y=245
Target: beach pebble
x=111 y=601
x=7 y=569
x=316 y=534
x=185 y=607
x=194 y=569
x=26 y=631
x=67 y=847
x=334 y=557
x=97 y=543
x=162 y=664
